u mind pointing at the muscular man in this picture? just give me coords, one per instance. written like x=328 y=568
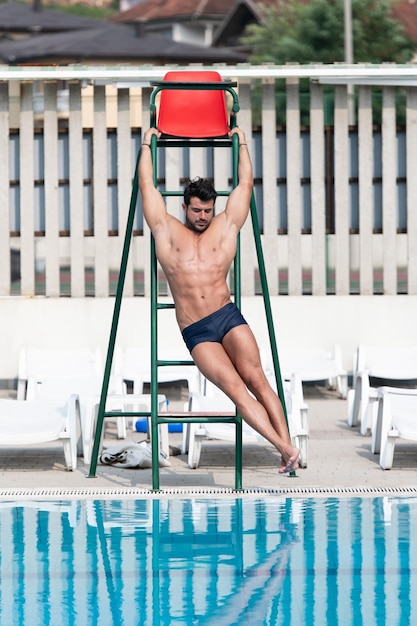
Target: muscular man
x=196 y=257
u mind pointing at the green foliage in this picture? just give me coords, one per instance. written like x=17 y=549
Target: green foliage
x=313 y=32
x=94 y=13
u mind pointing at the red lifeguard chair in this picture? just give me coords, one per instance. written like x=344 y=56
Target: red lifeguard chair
x=197 y=113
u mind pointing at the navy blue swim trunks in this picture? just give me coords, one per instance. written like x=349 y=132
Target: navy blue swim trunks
x=213 y=327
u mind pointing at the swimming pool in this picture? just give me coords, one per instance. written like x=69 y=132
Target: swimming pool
x=209 y=561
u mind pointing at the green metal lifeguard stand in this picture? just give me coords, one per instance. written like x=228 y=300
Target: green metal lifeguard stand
x=192 y=113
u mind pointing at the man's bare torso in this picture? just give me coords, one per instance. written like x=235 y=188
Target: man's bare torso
x=196 y=266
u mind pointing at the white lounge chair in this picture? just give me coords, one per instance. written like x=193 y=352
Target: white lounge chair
x=311 y=365
x=134 y=364
x=55 y=373
x=88 y=390
x=41 y=363
x=382 y=362
x=24 y=423
x=216 y=400
x=396 y=417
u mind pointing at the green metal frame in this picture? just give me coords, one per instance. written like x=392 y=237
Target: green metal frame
x=156 y=418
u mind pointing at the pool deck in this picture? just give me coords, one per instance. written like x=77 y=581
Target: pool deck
x=339 y=458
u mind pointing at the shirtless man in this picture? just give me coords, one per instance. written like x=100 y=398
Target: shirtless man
x=196 y=257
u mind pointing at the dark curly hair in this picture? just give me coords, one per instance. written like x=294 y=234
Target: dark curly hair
x=200 y=188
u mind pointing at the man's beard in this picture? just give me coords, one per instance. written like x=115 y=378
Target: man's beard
x=197 y=227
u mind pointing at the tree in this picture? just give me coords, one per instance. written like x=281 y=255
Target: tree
x=313 y=32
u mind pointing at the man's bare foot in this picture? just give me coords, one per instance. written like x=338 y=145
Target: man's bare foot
x=291 y=464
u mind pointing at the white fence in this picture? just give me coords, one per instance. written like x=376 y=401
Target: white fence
x=337 y=201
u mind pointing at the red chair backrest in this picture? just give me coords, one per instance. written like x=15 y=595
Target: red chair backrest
x=193 y=113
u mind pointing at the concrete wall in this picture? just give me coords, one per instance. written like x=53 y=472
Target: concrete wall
x=299 y=322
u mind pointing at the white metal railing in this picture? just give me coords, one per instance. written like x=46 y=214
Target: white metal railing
x=66 y=167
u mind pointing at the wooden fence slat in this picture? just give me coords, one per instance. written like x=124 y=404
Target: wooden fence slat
x=366 y=201
x=246 y=236
x=5 y=278
x=269 y=187
x=173 y=168
x=222 y=172
x=318 y=197
x=146 y=94
x=341 y=192
x=197 y=162
x=411 y=147
x=75 y=143
x=52 y=208
x=389 y=190
x=100 y=193
x=27 y=185
x=294 y=189
x=124 y=180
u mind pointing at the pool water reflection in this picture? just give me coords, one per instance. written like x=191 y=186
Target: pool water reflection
x=208 y=561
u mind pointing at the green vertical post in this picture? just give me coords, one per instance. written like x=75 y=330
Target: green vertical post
x=115 y=322
x=238 y=301
x=154 y=342
x=267 y=304
x=268 y=310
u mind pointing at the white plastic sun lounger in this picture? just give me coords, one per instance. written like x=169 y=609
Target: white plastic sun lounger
x=313 y=364
x=383 y=362
x=396 y=418
x=24 y=423
x=40 y=363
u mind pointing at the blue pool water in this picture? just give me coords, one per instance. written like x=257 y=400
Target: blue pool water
x=220 y=562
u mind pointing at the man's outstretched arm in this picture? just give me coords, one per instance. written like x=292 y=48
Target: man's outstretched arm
x=154 y=209
x=237 y=207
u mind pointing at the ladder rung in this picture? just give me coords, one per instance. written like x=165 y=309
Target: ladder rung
x=189 y=417
x=180 y=193
x=165 y=305
x=164 y=362
x=120 y=413
x=178 y=414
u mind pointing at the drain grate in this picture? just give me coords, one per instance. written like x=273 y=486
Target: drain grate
x=122 y=493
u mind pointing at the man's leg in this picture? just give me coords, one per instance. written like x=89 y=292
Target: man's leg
x=242 y=349
x=214 y=363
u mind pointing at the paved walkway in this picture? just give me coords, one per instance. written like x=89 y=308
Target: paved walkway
x=338 y=458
